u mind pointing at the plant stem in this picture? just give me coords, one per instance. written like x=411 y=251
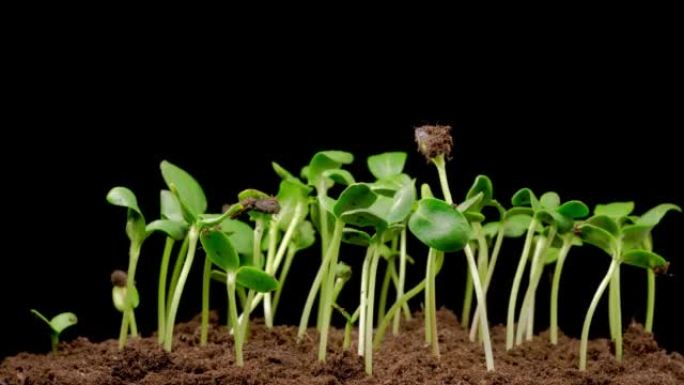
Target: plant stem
x=512 y=301
x=368 y=343
x=650 y=300
x=328 y=288
x=467 y=300
x=161 y=291
x=315 y=286
x=430 y=303
x=443 y=180
x=384 y=289
x=364 y=298
x=178 y=266
x=346 y=343
x=617 y=313
x=133 y=254
x=272 y=244
x=484 y=323
x=321 y=192
x=565 y=248
x=132 y=323
x=204 y=324
x=487 y=280
x=402 y=278
x=535 y=270
x=291 y=251
x=232 y=304
x=54 y=342
x=193 y=234
x=590 y=314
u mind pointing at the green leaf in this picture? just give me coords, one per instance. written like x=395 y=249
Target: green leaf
x=474 y=217
x=41 y=317
x=123 y=197
x=573 y=209
x=387 y=164
x=255 y=279
x=219 y=250
x=439 y=225
x=513 y=211
x=240 y=234
x=342 y=270
x=653 y=216
x=615 y=209
x=173 y=229
x=402 y=203
x=550 y=200
x=365 y=218
x=525 y=197
x=187 y=189
x=291 y=194
x=606 y=223
x=325 y=160
x=516 y=225
x=63 y=321
x=552 y=217
x=170 y=207
x=305 y=236
x=283 y=173
x=339 y=176
x=551 y=255
x=252 y=193
x=634 y=236
x=482 y=185
x=356 y=237
x=598 y=237
x=119 y=298
x=388 y=186
x=644 y=259
x=473 y=203
x=219 y=276
x=356 y=196
x=490 y=229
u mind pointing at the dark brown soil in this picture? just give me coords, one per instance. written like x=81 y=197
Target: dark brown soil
x=273 y=357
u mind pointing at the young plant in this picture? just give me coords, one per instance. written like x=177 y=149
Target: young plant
x=608 y=230
x=57 y=325
x=137 y=232
x=222 y=253
x=121 y=300
x=435 y=143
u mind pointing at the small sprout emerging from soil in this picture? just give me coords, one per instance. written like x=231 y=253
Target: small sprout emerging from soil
x=57 y=325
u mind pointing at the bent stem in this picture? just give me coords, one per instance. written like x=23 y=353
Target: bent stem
x=161 y=291
x=232 y=304
x=565 y=248
x=193 y=234
x=133 y=254
x=513 y=299
x=590 y=314
x=535 y=273
x=291 y=251
x=484 y=323
x=328 y=290
x=178 y=266
x=488 y=279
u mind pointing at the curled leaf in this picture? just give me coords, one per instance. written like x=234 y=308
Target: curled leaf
x=387 y=164
x=439 y=225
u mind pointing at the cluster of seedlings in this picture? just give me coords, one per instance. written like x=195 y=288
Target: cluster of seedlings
x=252 y=257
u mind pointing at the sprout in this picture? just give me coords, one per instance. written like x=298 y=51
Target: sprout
x=611 y=232
x=222 y=253
x=57 y=325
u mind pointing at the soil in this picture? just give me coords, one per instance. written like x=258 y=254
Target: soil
x=273 y=357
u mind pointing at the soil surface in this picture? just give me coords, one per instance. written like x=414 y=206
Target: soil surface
x=273 y=357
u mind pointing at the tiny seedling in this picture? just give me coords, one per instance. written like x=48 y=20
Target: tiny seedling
x=221 y=252
x=57 y=325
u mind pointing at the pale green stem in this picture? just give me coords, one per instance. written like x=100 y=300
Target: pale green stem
x=161 y=291
x=321 y=190
x=617 y=314
x=394 y=310
x=204 y=323
x=133 y=324
x=650 y=300
x=402 y=278
x=364 y=298
x=467 y=300
x=133 y=254
x=484 y=323
x=535 y=271
x=567 y=244
x=431 y=305
x=178 y=266
x=328 y=288
x=368 y=343
x=232 y=304
x=488 y=279
x=193 y=234
x=291 y=251
x=54 y=342
x=512 y=301
x=443 y=180
x=384 y=289
x=590 y=314
x=482 y=265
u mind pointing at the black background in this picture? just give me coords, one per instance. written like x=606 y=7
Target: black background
x=592 y=125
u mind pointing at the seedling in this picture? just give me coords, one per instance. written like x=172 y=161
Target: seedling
x=435 y=143
x=57 y=325
x=137 y=231
x=609 y=230
x=222 y=253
